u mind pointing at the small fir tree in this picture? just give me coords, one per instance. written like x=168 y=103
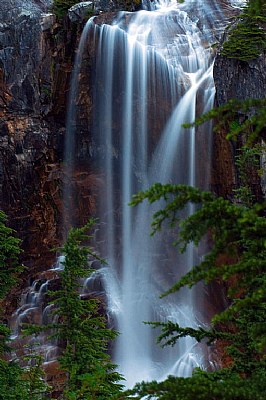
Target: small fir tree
x=16 y=383
x=246 y=40
x=82 y=328
x=9 y=252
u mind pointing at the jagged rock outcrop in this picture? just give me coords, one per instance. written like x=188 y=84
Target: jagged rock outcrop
x=84 y=9
x=80 y=11
x=21 y=55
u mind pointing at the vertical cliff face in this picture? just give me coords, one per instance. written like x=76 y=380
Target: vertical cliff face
x=21 y=56
x=240 y=80
x=35 y=66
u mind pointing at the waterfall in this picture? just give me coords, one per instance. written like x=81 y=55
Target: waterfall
x=152 y=72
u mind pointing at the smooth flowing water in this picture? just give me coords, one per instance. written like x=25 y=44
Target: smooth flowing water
x=153 y=72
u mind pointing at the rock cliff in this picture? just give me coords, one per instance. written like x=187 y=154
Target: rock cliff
x=36 y=57
x=240 y=80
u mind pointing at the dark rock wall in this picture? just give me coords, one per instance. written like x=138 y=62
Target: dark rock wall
x=20 y=55
x=234 y=80
x=36 y=57
x=36 y=61
x=239 y=79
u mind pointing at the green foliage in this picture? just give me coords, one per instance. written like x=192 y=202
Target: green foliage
x=33 y=375
x=81 y=327
x=9 y=268
x=245 y=119
x=248 y=166
x=220 y=385
x=238 y=234
x=60 y=7
x=227 y=116
x=9 y=251
x=246 y=40
x=16 y=383
x=12 y=385
x=130 y=5
x=171 y=332
x=4 y=338
x=90 y=373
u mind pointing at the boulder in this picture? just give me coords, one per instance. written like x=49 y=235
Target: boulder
x=80 y=11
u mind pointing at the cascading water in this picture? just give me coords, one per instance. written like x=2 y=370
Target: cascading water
x=153 y=70
x=35 y=309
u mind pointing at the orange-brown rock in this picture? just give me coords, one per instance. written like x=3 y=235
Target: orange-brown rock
x=223 y=176
x=55 y=377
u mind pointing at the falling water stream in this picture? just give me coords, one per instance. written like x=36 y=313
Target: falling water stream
x=152 y=72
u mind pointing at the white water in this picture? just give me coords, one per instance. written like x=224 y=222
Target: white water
x=152 y=73
x=34 y=310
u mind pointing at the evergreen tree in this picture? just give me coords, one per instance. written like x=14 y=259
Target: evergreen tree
x=10 y=372
x=16 y=383
x=252 y=113
x=82 y=328
x=246 y=39
x=239 y=232
x=9 y=252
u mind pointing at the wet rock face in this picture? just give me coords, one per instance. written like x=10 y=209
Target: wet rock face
x=30 y=182
x=234 y=80
x=20 y=54
x=31 y=137
x=36 y=61
x=36 y=58
x=239 y=79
